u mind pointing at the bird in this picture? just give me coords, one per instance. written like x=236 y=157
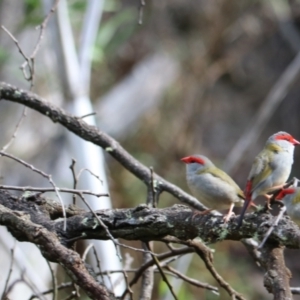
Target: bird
x=270 y=169
x=212 y=186
x=291 y=199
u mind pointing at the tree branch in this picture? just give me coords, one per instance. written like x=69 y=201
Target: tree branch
x=277 y=276
x=146 y=224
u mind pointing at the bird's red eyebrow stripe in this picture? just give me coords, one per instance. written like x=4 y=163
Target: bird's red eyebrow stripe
x=287 y=137
x=190 y=159
x=283 y=137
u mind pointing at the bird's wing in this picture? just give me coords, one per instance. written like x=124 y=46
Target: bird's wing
x=261 y=169
x=218 y=173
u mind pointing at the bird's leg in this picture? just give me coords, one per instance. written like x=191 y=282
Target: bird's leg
x=230 y=213
x=252 y=204
x=205 y=212
x=268 y=204
x=269 y=197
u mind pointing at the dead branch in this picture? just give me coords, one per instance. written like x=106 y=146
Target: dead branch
x=277 y=276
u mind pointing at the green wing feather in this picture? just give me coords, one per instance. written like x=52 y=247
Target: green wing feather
x=262 y=167
x=218 y=173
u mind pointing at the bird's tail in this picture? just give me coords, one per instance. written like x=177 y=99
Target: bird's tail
x=245 y=207
x=247 y=202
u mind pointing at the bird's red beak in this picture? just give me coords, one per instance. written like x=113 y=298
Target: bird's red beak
x=186 y=159
x=295 y=142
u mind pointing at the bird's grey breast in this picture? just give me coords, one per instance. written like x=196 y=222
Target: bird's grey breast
x=281 y=166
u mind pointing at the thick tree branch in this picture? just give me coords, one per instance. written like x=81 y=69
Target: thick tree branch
x=277 y=276
x=146 y=224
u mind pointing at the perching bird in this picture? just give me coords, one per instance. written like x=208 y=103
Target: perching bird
x=291 y=200
x=212 y=186
x=270 y=169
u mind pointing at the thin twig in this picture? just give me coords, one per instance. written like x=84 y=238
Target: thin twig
x=192 y=281
x=163 y=275
x=127 y=284
x=43 y=27
x=145 y=266
x=13 y=137
x=293 y=182
x=88 y=115
x=30 y=60
x=12 y=251
x=75 y=179
x=151 y=199
x=89 y=171
x=24 y=281
x=86 y=251
x=27 y=60
x=44 y=190
x=279 y=217
x=98 y=263
x=60 y=287
x=206 y=255
x=54 y=280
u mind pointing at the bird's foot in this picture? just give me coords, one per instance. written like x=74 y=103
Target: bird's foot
x=253 y=205
x=227 y=217
x=268 y=203
x=205 y=212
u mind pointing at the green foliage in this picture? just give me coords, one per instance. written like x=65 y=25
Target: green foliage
x=162 y=288
x=114 y=32
x=31 y=5
x=3 y=55
x=33 y=13
x=77 y=5
x=112 y=6
x=184 y=293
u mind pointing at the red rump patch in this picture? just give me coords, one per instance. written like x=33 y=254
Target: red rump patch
x=193 y=159
x=284 y=192
x=287 y=137
x=248 y=189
